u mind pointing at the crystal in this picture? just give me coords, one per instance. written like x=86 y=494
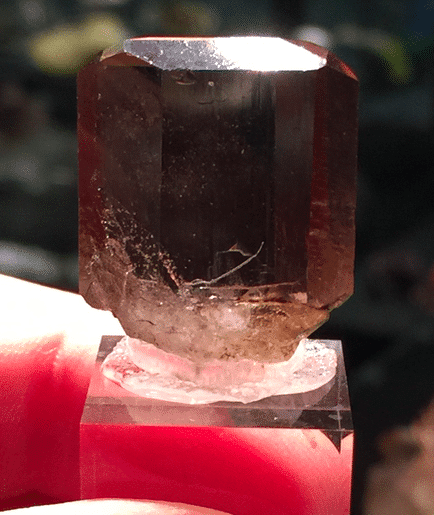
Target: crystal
x=217 y=192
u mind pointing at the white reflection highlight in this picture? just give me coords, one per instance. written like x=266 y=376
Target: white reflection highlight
x=251 y=53
x=266 y=54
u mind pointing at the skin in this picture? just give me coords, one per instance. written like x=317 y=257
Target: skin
x=48 y=344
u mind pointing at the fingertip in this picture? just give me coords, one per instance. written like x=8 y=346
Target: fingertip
x=116 y=507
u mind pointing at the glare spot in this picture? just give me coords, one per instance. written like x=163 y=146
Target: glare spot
x=266 y=54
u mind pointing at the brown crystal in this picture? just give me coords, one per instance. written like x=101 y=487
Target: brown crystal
x=217 y=192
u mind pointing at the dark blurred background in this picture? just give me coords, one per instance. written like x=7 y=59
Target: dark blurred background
x=388 y=325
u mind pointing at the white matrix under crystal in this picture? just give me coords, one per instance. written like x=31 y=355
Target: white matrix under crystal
x=150 y=372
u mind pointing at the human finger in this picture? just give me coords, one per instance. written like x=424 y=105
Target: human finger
x=116 y=507
x=48 y=343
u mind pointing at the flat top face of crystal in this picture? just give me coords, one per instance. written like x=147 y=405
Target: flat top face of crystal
x=261 y=54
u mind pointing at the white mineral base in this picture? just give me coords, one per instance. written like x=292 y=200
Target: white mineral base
x=149 y=372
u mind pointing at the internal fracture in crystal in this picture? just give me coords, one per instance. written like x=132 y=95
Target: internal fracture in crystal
x=217 y=192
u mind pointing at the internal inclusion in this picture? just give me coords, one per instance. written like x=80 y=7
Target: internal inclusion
x=149 y=372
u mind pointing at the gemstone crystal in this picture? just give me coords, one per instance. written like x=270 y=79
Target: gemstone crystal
x=217 y=192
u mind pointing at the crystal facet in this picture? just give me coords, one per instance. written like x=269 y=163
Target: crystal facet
x=217 y=192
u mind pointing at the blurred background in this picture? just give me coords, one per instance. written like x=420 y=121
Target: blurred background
x=388 y=325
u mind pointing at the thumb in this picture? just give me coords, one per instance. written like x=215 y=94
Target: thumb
x=116 y=507
x=48 y=342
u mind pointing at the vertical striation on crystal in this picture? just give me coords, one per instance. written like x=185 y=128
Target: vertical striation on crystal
x=217 y=192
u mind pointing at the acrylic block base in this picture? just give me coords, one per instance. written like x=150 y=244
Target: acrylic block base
x=281 y=455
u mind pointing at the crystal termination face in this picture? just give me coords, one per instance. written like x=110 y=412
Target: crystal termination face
x=217 y=192
x=262 y=54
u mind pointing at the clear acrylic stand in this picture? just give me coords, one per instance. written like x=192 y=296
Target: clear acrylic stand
x=282 y=453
